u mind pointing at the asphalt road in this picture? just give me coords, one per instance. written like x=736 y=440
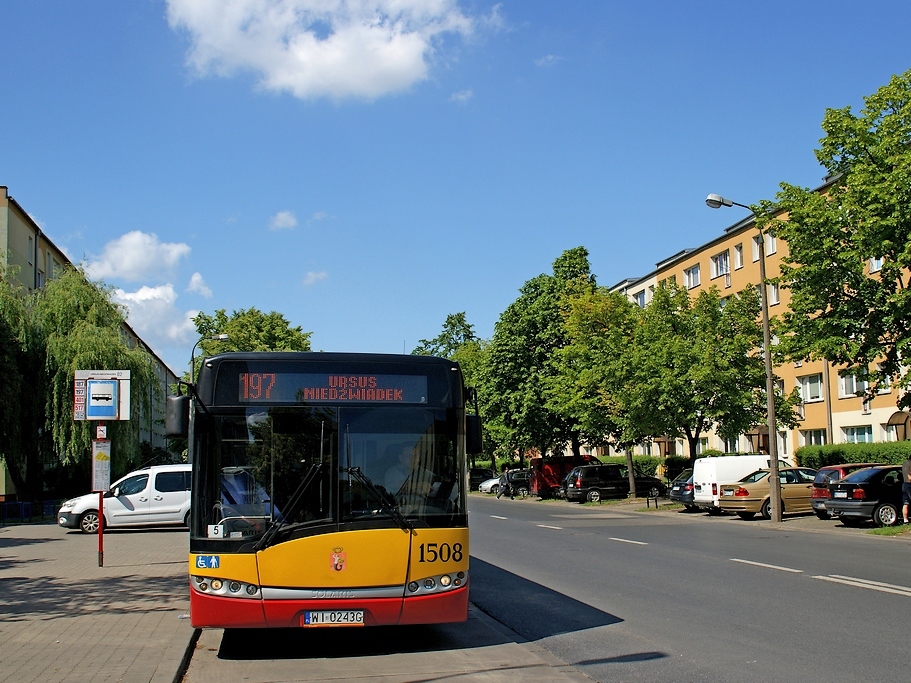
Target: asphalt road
x=667 y=596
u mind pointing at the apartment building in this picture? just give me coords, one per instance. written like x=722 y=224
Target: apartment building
x=37 y=259
x=831 y=411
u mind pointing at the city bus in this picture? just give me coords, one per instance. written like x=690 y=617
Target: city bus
x=328 y=489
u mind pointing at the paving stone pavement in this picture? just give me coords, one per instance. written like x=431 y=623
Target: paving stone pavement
x=64 y=618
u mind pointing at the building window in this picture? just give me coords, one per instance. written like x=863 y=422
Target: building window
x=720 y=265
x=738 y=256
x=771 y=244
x=889 y=433
x=756 y=241
x=691 y=277
x=862 y=434
x=40 y=279
x=810 y=387
x=773 y=294
x=876 y=264
x=782 y=443
x=812 y=437
x=639 y=299
x=853 y=385
x=731 y=445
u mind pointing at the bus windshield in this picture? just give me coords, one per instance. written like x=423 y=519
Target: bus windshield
x=302 y=470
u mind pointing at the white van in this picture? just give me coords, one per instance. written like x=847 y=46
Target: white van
x=152 y=496
x=710 y=472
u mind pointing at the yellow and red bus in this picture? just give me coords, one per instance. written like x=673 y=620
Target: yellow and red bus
x=328 y=489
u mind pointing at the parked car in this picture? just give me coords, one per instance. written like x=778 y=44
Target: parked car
x=752 y=493
x=594 y=482
x=710 y=472
x=872 y=494
x=492 y=485
x=547 y=474
x=478 y=475
x=681 y=490
x=153 y=496
x=826 y=475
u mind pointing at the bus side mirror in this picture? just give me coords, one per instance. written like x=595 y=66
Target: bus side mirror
x=177 y=417
x=473 y=440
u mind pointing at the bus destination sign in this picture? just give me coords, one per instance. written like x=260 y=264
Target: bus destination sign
x=297 y=387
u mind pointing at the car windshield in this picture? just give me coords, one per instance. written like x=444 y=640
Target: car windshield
x=758 y=475
x=823 y=477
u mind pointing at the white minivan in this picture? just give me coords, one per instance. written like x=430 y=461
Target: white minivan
x=712 y=471
x=152 y=496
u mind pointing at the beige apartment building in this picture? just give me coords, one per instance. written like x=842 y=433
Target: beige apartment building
x=831 y=411
x=36 y=260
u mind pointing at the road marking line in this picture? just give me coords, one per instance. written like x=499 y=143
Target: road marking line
x=864 y=583
x=546 y=526
x=768 y=566
x=498 y=517
x=626 y=540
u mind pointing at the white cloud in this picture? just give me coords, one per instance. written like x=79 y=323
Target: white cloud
x=155 y=317
x=311 y=277
x=461 y=97
x=548 y=60
x=198 y=286
x=136 y=256
x=322 y=48
x=317 y=217
x=283 y=220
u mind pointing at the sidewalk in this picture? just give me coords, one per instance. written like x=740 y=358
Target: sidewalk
x=63 y=618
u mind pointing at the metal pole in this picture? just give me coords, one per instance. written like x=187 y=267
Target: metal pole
x=774 y=482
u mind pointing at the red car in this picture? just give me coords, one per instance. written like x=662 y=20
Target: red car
x=831 y=473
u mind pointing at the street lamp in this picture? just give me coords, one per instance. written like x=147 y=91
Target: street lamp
x=215 y=337
x=716 y=201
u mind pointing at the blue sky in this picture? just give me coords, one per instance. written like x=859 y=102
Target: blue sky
x=366 y=167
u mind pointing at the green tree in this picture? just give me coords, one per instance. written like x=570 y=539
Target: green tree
x=79 y=327
x=519 y=362
x=693 y=366
x=457 y=332
x=248 y=330
x=838 y=310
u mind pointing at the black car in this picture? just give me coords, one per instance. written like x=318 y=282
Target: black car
x=874 y=493
x=477 y=475
x=594 y=482
x=682 y=490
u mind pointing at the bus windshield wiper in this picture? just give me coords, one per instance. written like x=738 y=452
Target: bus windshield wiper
x=269 y=536
x=384 y=501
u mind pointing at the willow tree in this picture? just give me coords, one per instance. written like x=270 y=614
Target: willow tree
x=80 y=327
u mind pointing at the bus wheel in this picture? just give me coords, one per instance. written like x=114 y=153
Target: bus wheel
x=88 y=523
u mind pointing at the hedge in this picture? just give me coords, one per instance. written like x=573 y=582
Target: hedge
x=888 y=453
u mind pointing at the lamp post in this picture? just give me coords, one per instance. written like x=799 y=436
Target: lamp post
x=215 y=337
x=715 y=201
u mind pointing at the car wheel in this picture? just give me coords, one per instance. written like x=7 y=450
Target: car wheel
x=522 y=492
x=885 y=515
x=593 y=496
x=494 y=489
x=766 y=510
x=186 y=519
x=88 y=522
x=822 y=514
x=746 y=515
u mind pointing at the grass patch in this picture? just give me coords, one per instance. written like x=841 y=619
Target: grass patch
x=662 y=507
x=898 y=530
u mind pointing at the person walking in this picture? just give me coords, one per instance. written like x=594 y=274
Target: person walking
x=505 y=485
x=906 y=488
